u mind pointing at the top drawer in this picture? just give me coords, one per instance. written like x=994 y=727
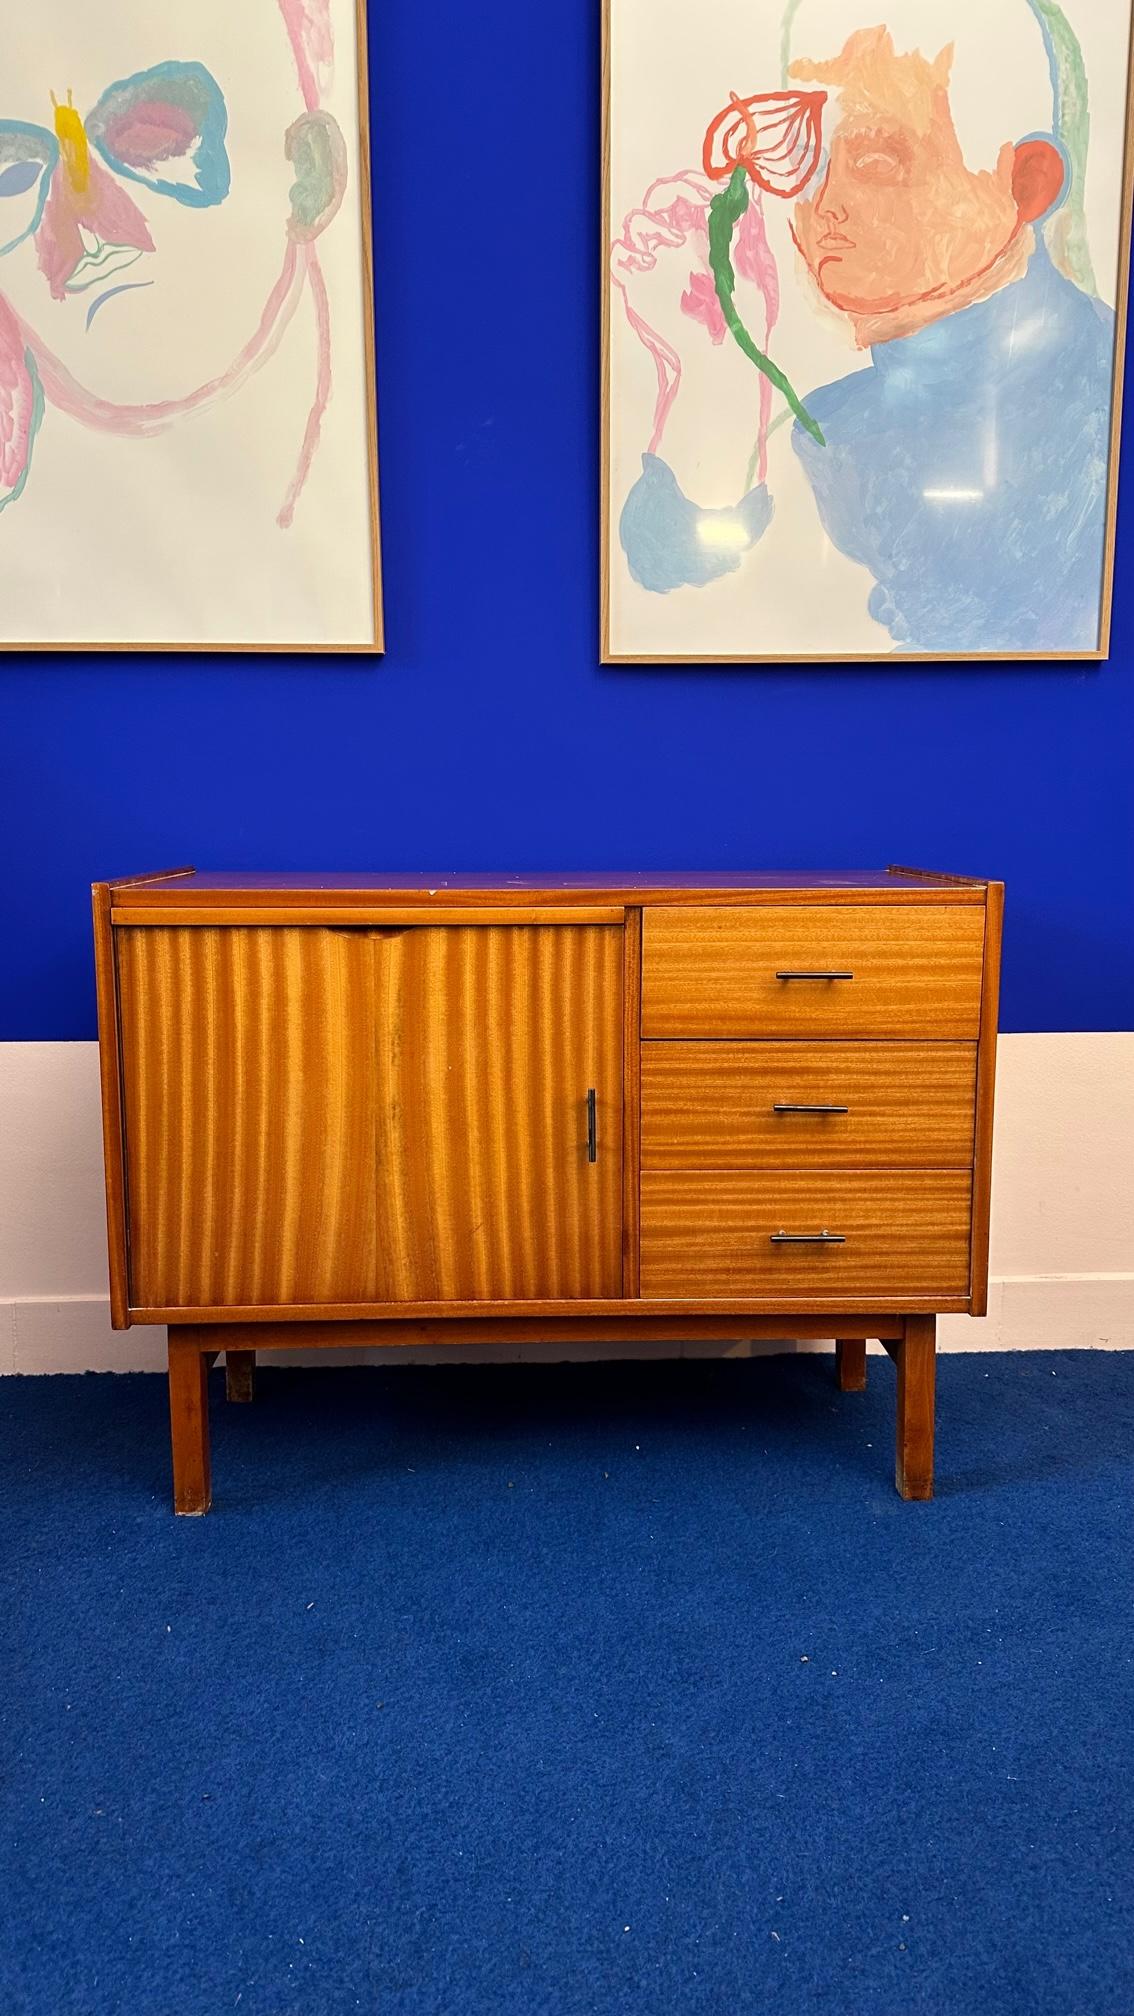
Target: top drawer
x=903 y=970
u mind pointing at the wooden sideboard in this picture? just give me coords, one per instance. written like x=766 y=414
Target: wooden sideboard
x=344 y=1109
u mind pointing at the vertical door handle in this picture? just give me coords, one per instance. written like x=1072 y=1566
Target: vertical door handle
x=592 y=1126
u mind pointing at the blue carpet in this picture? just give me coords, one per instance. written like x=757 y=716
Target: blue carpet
x=571 y=1691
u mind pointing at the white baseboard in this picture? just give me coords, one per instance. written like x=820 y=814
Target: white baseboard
x=1062 y=1253
x=1053 y=1313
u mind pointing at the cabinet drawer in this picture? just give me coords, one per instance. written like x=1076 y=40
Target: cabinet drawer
x=729 y=1105
x=909 y=971
x=711 y=1234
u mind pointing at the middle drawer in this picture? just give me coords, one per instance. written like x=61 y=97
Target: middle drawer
x=760 y=1105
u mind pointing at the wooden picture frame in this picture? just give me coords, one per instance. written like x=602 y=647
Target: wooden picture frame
x=312 y=583
x=669 y=619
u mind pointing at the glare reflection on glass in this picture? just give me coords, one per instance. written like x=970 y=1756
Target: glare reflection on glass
x=731 y=534
x=1025 y=335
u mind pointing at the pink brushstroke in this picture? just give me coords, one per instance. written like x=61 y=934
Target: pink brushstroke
x=634 y=251
x=314 y=427
x=308 y=24
x=79 y=404
x=149 y=132
x=700 y=303
x=17 y=401
x=667 y=364
x=103 y=209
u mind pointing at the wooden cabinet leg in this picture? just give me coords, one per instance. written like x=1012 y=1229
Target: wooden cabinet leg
x=850 y=1364
x=917 y=1366
x=189 y=1424
x=239 y=1375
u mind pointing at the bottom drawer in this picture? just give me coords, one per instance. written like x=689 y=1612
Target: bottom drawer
x=713 y=1234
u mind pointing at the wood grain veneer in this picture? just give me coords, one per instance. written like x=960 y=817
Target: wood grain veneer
x=713 y=972
x=328 y=1117
x=110 y=1079
x=713 y=1105
x=369 y=917
x=907 y=1233
x=985 y=1094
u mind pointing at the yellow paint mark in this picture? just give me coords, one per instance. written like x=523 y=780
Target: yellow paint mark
x=74 y=146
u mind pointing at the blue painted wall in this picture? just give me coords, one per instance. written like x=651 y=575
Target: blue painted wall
x=490 y=736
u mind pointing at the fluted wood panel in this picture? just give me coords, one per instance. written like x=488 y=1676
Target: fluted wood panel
x=906 y=1232
x=495 y=1036
x=321 y=1115
x=712 y=972
x=712 y=1105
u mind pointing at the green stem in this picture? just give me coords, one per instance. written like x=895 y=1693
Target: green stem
x=754 y=458
x=1068 y=228
x=725 y=211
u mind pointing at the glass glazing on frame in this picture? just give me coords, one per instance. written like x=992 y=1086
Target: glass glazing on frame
x=865 y=271
x=187 y=445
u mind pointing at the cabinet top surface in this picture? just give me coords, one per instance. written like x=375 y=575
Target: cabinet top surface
x=630 y=886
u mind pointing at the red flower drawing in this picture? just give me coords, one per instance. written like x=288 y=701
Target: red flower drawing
x=776 y=137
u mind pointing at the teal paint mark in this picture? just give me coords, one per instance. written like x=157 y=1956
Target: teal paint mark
x=33 y=430
x=127 y=287
x=1071 y=119
x=790 y=12
x=310 y=147
x=195 y=91
x=725 y=211
x=99 y=265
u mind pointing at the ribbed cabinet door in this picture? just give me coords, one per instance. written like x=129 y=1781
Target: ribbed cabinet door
x=492 y=1038
x=325 y=1116
x=251 y=1110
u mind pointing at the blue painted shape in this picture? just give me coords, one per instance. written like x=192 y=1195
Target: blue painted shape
x=661 y=531
x=966 y=468
x=20 y=177
x=193 y=90
x=21 y=148
x=127 y=287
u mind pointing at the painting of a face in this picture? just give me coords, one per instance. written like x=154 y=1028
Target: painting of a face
x=897 y=218
x=864 y=258
x=145 y=234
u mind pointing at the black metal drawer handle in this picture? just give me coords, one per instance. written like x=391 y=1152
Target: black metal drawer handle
x=814 y=976
x=808 y=1238
x=782 y=1106
x=592 y=1126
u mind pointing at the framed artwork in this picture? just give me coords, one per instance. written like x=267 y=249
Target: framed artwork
x=865 y=274
x=188 y=452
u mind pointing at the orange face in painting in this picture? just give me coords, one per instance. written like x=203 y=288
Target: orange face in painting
x=900 y=230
